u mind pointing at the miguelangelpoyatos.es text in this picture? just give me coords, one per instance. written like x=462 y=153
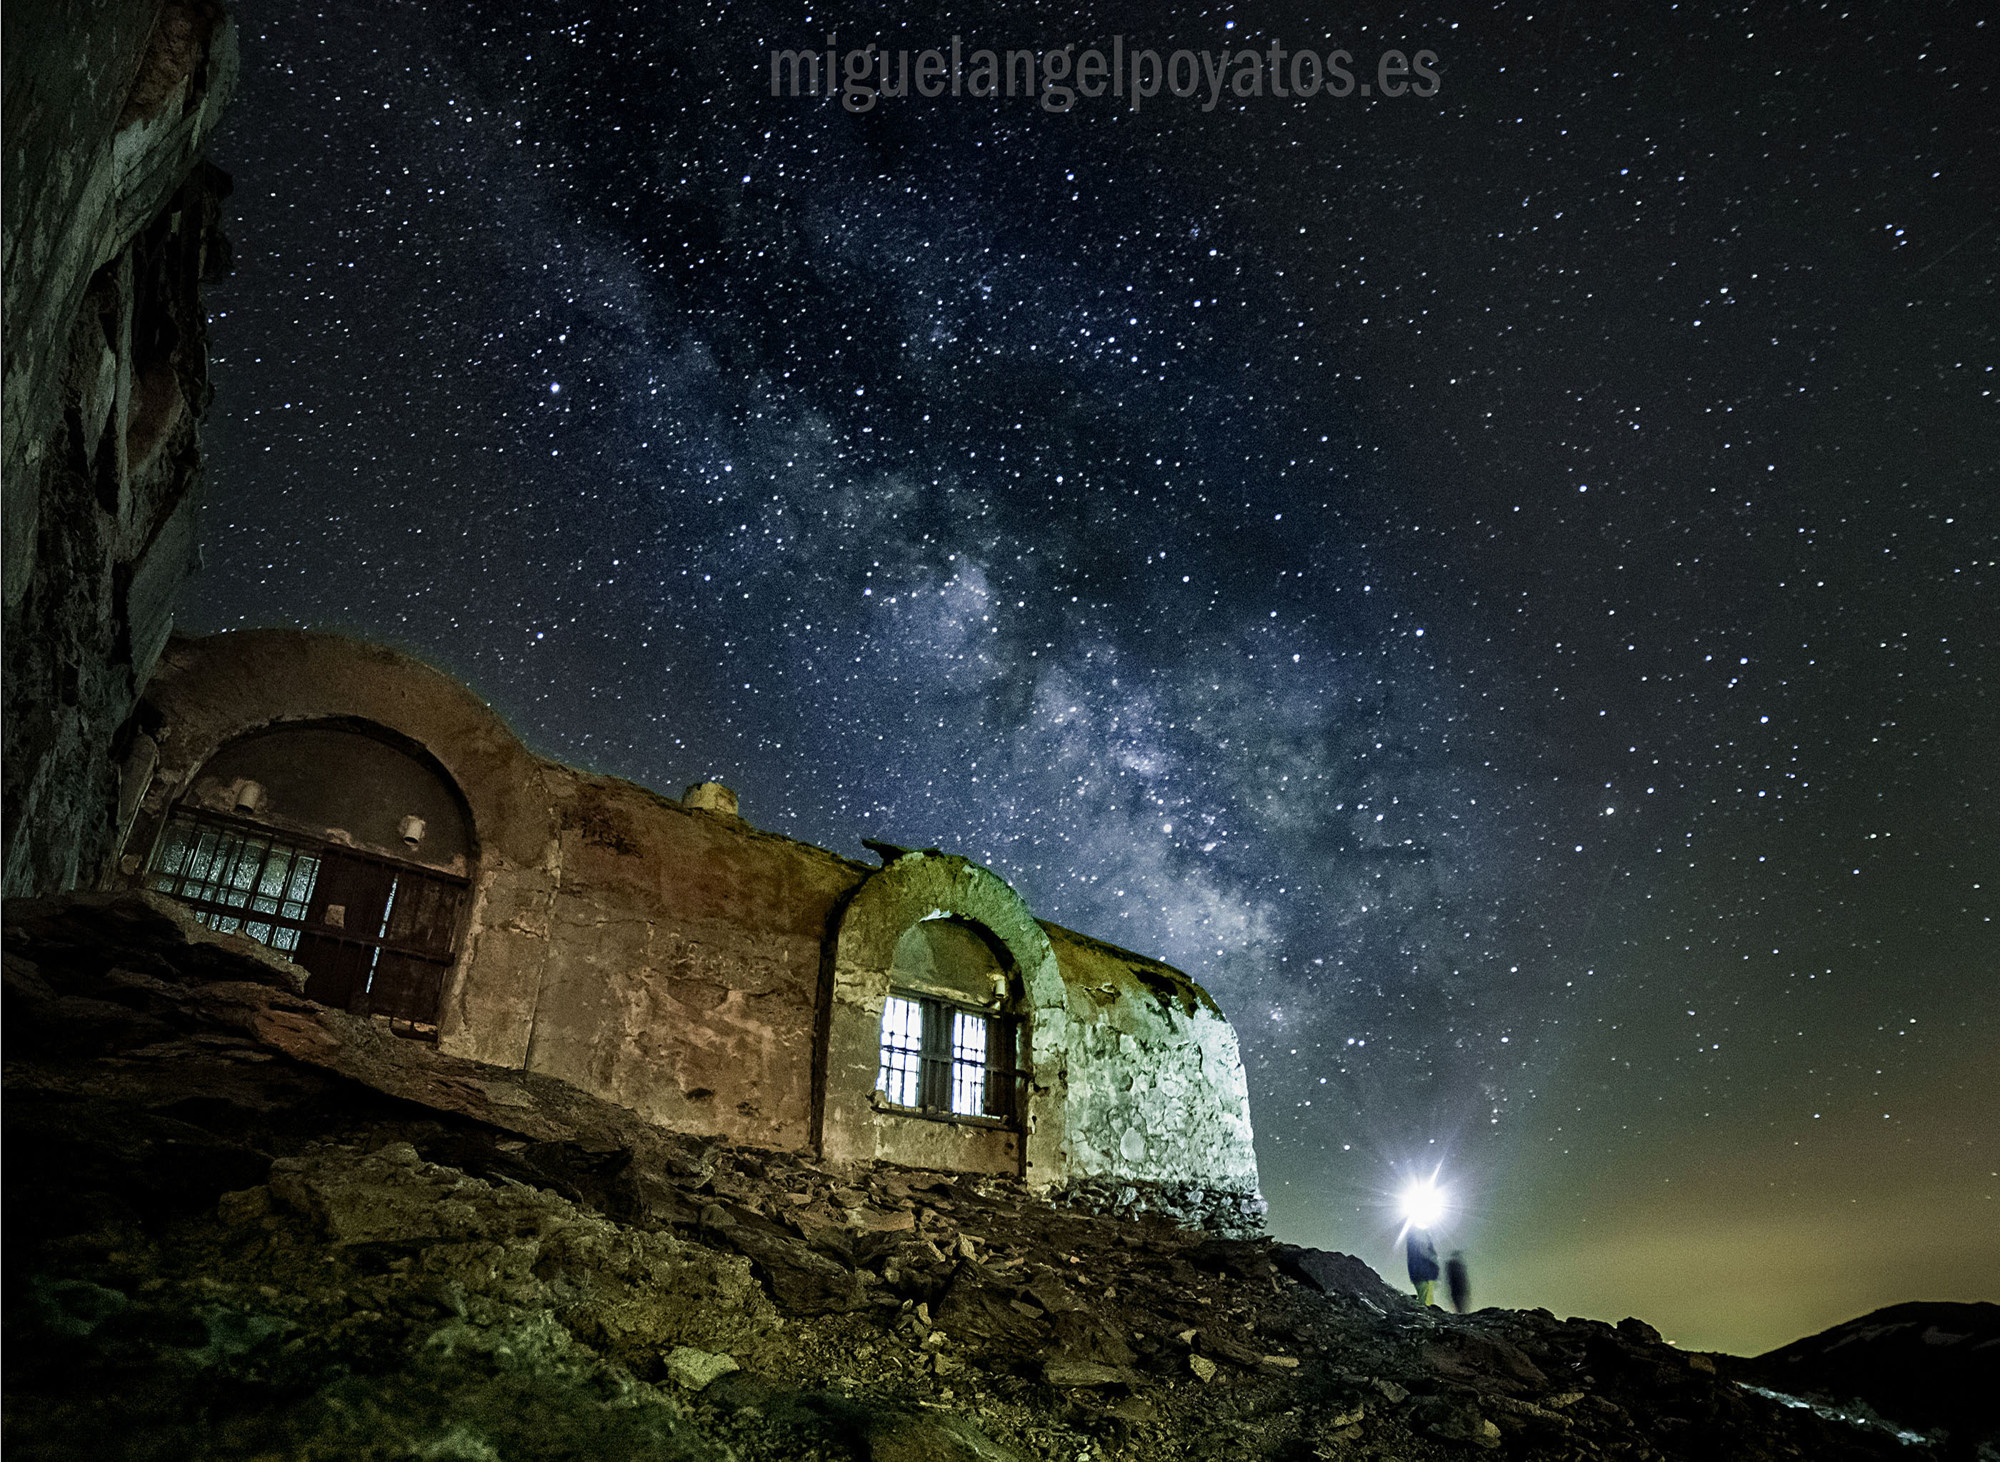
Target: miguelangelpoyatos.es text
x=1059 y=77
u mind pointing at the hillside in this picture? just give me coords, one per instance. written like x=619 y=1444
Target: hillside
x=242 y=1225
x=1932 y=1368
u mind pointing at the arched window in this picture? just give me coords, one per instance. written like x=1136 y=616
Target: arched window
x=950 y=1040
x=338 y=844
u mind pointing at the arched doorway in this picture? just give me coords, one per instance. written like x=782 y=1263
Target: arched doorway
x=339 y=844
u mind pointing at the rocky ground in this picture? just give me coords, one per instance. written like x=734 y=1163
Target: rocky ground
x=241 y=1225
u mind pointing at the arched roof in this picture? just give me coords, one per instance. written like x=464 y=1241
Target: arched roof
x=212 y=690
x=918 y=886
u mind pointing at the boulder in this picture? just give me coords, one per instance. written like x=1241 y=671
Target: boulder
x=1065 y=1374
x=1455 y=1419
x=802 y=1280
x=1493 y=1363
x=902 y=1436
x=1334 y=1273
x=978 y=1313
x=698 y=1369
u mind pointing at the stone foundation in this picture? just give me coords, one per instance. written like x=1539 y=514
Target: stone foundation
x=1233 y=1213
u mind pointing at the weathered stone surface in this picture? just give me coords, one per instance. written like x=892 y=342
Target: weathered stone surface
x=1469 y=1353
x=143 y=931
x=699 y=1369
x=1245 y=1260
x=1218 y=1341
x=1340 y=1274
x=977 y=1312
x=1092 y=1336
x=1156 y=1101
x=109 y=228
x=916 y=1437
x=1231 y=1210
x=206 y=693
x=802 y=1280
x=1064 y=1373
x=1456 y=1419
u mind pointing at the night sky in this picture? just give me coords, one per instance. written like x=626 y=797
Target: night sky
x=1501 y=587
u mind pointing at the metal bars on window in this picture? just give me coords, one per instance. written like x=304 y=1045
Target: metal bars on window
x=968 y=1064
x=941 y=1060
x=231 y=874
x=377 y=935
x=902 y=1051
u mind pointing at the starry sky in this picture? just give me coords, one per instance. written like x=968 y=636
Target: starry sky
x=1500 y=586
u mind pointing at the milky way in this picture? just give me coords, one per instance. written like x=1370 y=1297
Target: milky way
x=1499 y=586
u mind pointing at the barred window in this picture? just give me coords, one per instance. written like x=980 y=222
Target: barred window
x=231 y=874
x=902 y=1050
x=944 y=1061
x=375 y=935
x=968 y=1064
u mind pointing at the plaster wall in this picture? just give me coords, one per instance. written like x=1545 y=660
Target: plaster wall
x=684 y=962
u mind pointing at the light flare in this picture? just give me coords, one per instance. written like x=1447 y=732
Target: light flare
x=1423 y=1202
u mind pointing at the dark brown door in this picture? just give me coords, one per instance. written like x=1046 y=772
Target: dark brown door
x=343 y=923
x=409 y=978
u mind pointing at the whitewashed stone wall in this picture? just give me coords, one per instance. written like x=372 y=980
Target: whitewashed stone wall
x=1157 y=1110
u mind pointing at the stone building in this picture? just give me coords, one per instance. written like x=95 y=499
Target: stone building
x=379 y=824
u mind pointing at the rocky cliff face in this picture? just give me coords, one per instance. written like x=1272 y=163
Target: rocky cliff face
x=242 y=1225
x=109 y=229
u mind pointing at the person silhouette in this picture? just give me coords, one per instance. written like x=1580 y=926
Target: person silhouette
x=1458 y=1281
x=1422 y=1253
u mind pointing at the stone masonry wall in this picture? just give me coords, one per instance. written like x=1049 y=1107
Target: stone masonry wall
x=1157 y=1115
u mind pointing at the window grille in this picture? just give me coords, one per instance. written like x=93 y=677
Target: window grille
x=941 y=1060
x=902 y=1051
x=377 y=936
x=968 y=1064
x=230 y=874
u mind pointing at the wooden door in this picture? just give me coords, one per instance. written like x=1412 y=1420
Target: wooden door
x=344 y=928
